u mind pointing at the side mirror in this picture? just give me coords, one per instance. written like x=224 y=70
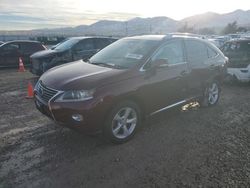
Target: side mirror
x=158 y=63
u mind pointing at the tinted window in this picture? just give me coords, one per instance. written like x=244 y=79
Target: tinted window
x=172 y=52
x=237 y=46
x=66 y=44
x=102 y=43
x=244 y=46
x=31 y=47
x=11 y=47
x=196 y=52
x=86 y=44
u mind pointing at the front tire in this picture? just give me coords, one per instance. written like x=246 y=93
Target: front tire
x=122 y=122
x=211 y=94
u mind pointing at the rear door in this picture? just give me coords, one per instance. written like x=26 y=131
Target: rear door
x=168 y=85
x=202 y=63
x=84 y=49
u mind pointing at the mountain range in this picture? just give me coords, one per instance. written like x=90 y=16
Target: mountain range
x=155 y=25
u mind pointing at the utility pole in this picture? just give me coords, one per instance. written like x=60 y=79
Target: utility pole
x=126 y=28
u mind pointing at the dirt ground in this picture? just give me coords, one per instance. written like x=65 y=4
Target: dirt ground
x=198 y=147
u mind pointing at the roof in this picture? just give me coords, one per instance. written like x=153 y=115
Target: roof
x=87 y=37
x=22 y=41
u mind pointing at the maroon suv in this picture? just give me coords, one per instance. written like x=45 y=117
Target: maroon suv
x=132 y=78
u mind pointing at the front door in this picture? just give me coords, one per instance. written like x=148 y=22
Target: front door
x=84 y=49
x=167 y=83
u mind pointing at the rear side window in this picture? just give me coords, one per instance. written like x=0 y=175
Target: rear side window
x=237 y=47
x=29 y=48
x=244 y=46
x=196 y=52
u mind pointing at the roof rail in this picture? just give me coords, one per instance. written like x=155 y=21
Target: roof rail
x=170 y=35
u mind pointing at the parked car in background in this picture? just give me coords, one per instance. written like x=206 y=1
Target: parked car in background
x=217 y=42
x=72 y=49
x=130 y=79
x=238 y=52
x=11 y=51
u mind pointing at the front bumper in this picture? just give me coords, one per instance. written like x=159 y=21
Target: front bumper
x=62 y=112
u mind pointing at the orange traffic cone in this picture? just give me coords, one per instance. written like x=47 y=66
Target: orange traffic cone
x=21 y=65
x=30 y=91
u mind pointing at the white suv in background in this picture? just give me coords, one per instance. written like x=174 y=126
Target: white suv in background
x=238 y=52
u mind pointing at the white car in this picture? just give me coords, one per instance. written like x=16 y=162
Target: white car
x=240 y=74
x=238 y=52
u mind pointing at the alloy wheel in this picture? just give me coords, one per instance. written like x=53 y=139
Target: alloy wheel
x=213 y=93
x=124 y=122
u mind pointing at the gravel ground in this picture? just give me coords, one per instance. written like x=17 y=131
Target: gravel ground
x=196 y=147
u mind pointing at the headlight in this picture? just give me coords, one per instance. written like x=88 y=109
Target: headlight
x=80 y=95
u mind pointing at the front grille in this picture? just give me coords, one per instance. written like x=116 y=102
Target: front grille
x=44 y=92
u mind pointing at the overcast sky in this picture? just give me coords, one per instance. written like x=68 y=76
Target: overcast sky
x=31 y=14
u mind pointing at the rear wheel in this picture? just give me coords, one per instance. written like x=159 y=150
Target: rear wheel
x=211 y=94
x=122 y=122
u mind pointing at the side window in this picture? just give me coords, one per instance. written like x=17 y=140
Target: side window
x=26 y=48
x=244 y=46
x=211 y=52
x=33 y=47
x=196 y=52
x=225 y=47
x=101 y=43
x=86 y=44
x=233 y=47
x=11 y=47
x=172 y=52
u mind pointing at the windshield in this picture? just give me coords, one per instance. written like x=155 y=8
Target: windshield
x=124 y=53
x=66 y=44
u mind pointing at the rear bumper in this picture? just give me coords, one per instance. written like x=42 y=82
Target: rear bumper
x=242 y=74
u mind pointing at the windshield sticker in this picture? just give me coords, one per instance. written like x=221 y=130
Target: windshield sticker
x=134 y=56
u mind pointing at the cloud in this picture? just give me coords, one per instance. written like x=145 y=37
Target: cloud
x=30 y=14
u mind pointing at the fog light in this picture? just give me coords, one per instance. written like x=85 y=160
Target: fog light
x=77 y=117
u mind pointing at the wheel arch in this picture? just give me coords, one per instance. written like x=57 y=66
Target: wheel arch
x=132 y=98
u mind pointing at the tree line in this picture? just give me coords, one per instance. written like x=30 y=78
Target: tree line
x=230 y=28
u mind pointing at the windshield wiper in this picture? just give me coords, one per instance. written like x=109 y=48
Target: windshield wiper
x=108 y=65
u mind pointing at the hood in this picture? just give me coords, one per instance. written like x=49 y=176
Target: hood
x=44 y=54
x=79 y=75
